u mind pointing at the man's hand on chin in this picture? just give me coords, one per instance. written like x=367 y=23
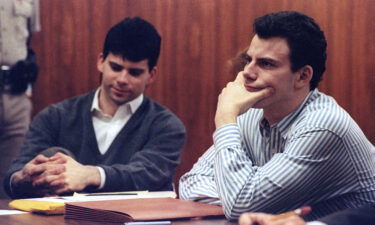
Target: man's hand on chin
x=235 y=100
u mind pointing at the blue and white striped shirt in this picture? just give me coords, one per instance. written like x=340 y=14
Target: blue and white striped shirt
x=315 y=156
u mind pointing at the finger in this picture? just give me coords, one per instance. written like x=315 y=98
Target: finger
x=263 y=93
x=59 y=155
x=58 y=160
x=40 y=159
x=34 y=170
x=240 y=78
x=245 y=219
x=43 y=180
x=60 y=181
x=47 y=179
x=55 y=169
x=250 y=218
x=290 y=220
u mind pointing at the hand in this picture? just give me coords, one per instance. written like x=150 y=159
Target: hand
x=235 y=100
x=268 y=219
x=23 y=180
x=75 y=177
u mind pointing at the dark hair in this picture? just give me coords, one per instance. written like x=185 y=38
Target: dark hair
x=305 y=39
x=133 y=39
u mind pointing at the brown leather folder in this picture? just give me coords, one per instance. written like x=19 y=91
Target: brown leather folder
x=119 y=211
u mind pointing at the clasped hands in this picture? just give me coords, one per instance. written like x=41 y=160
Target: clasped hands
x=56 y=175
x=235 y=100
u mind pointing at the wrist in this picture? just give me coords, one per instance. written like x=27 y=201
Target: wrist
x=224 y=118
x=93 y=176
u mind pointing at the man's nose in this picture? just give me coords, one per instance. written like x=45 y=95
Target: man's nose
x=250 y=71
x=123 y=76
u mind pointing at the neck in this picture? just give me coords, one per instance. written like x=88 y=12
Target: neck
x=276 y=113
x=107 y=106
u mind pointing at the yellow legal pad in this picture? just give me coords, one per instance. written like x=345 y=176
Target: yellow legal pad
x=43 y=207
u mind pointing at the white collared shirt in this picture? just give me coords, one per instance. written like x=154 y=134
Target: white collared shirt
x=107 y=127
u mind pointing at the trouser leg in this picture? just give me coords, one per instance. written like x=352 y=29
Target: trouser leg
x=15 y=111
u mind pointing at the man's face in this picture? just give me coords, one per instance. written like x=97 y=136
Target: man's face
x=123 y=80
x=269 y=66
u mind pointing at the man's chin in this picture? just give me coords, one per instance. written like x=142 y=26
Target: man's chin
x=120 y=101
x=259 y=105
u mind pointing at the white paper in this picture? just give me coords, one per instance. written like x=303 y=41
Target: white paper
x=108 y=196
x=10 y=212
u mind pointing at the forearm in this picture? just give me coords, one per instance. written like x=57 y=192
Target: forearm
x=199 y=184
x=232 y=168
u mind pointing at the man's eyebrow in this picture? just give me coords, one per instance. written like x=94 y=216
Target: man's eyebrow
x=268 y=59
x=136 y=69
x=113 y=62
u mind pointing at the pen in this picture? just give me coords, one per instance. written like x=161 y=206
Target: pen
x=104 y=194
x=149 y=223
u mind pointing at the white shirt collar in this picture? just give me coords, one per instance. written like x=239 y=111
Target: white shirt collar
x=133 y=105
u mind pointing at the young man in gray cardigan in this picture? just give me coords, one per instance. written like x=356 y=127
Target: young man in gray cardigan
x=116 y=139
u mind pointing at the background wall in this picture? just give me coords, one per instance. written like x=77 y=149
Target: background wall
x=199 y=37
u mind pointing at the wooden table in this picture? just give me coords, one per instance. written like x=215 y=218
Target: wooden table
x=30 y=218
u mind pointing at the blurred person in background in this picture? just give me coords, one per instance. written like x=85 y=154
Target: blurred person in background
x=18 y=70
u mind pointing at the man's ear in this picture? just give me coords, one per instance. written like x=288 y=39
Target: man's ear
x=304 y=76
x=100 y=62
x=152 y=77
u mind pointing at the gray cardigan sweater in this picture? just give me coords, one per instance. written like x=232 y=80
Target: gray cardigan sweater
x=143 y=156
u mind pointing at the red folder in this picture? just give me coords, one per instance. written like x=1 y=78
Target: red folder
x=126 y=210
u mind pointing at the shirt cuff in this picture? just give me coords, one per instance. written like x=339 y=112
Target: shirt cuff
x=316 y=223
x=102 y=177
x=10 y=184
x=226 y=136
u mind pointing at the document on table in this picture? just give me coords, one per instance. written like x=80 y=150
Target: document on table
x=10 y=212
x=84 y=197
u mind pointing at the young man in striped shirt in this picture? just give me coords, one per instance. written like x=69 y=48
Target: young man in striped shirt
x=279 y=142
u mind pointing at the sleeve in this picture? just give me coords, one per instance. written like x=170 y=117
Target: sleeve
x=40 y=136
x=152 y=167
x=316 y=223
x=363 y=215
x=35 y=17
x=306 y=165
x=199 y=183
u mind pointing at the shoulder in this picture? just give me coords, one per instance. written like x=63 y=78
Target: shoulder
x=322 y=112
x=156 y=113
x=71 y=106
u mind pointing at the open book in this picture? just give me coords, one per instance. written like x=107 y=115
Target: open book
x=126 y=210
